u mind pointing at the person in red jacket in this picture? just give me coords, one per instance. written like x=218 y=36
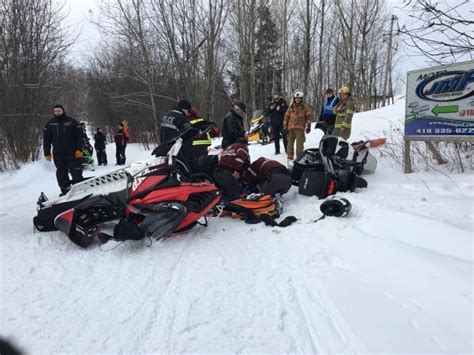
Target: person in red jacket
x=268 y=177
x=233 y=162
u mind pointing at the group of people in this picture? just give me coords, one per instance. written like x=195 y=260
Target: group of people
x=235 y=172
x=64 y=143
x=293 y=122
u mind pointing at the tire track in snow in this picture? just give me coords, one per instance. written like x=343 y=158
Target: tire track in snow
x=326 y=328
x=166 y=302
x=410 y=246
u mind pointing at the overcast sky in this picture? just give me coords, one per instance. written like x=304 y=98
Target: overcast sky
x=80 y=11
x=79 y=18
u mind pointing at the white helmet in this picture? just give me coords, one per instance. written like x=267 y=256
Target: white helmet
x=298 y=94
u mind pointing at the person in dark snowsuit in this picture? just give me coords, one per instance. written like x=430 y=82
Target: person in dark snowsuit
x=174 y=123
x=99 y=145
x=202 y=142
x=233 y=125
x=268 y=177
x=233 y=162
x=276 y=112
x=121 y=139
x=85 y=137
x=327 y=118
x=65 y=136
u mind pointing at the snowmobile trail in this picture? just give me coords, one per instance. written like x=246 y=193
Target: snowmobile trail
x=395 y=276
x=326 y=329
x=419 y=249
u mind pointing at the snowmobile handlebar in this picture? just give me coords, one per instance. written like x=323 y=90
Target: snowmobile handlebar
x=186 y=134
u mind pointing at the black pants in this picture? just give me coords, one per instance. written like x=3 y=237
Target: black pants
x=326 y=123
x=277 y=133
x=120 y=154
x=229 y=186
x=101 y=157
x=64 y=167
x=276 y=183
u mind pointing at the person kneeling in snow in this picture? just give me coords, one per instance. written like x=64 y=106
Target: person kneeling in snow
x=235 y=159
x=268 y=177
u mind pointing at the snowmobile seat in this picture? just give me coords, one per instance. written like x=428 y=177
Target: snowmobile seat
x=120 y=196
x=310 y=160
x=317 y=183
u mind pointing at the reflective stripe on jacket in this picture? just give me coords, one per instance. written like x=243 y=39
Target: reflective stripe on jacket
x=297 y=117
x=204 y=139
x=235 y=157
x=329 y=106
x=344 y=113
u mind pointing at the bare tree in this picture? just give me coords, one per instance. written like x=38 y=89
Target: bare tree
x=33 y=39
x=442 y=31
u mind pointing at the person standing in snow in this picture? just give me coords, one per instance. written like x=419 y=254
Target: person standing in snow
x=297 y=121
x=268 y=177
x=84 y=133
x=233 y=162
x=276 y=112
x=99 y=145
x=65 y=136
x=121 y=139
x=344 y=112
x=233 y=125
x=174 y=123
x=327 y=117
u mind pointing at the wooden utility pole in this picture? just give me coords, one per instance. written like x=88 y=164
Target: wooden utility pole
x=388 y=65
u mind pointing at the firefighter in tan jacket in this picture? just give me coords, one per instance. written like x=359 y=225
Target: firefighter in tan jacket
x=297 y=120
x=344 y=112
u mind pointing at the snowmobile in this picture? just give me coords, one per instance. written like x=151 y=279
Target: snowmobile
x=326 y=170
x=260 y=130
x=150 y=199
x=87 y=157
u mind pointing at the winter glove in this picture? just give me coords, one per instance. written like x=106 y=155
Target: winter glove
x=308 y=129
x=78 y=154
x=48 y=157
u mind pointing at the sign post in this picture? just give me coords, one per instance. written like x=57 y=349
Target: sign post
x=439 y=107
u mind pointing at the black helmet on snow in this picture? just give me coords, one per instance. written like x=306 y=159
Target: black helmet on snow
x=336 y=207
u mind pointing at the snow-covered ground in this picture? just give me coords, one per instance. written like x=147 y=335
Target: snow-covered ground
x=395 y=276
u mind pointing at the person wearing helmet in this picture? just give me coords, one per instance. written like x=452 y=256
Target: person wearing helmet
x=297 y=120
x=344 y=112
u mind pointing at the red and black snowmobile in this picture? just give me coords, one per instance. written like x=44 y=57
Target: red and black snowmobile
x=163 y=198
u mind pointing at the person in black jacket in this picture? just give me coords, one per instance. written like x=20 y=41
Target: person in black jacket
x=65 y=135
x=276 y=113
x=99 y=145
x=121 y=139
x=85 y=138
x=174 y=123
x=233 y=125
